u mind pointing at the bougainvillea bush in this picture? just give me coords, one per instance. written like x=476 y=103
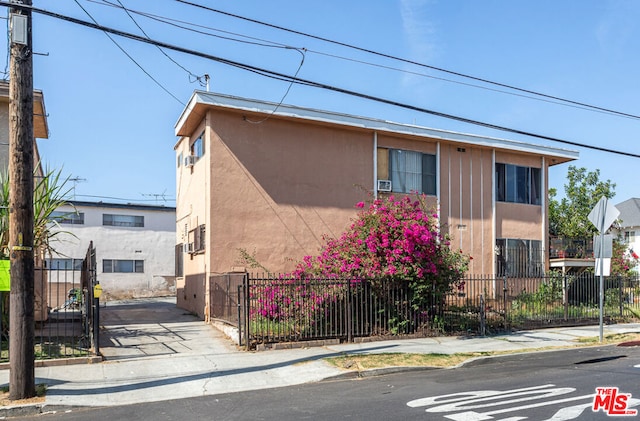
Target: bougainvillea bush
x=397 y=241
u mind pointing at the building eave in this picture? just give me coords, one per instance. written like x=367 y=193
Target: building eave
x=195 y=110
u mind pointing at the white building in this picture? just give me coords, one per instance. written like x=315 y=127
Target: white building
x=135 y=246
x=629 y=230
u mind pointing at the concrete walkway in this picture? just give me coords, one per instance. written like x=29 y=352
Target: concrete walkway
x=154 y=351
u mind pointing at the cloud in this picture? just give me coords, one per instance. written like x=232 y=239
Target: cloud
x=418 y=29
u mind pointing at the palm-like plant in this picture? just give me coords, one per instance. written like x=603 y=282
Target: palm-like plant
x=50 y=192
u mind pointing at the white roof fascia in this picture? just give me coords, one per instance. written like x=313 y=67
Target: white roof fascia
x=284 y=110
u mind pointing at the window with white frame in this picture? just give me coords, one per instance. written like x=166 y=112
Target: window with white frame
x=122 y=266
x=629 y=237
x=197 y=147
x=122 y=220
x=67 y=217
x=516 y=184
x=411 y=171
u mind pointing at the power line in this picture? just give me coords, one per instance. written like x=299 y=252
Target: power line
x=284 y=77
x=415 y=63
x=124 y=52
x=191 y=74
x=269 y=43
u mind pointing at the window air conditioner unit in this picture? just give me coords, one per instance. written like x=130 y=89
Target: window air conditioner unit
x=189 y=160
x=384 y=185
x=187 y=247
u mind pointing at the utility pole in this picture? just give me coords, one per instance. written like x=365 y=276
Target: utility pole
x=21 y=301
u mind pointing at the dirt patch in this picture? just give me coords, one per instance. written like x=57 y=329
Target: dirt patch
x=41 y=390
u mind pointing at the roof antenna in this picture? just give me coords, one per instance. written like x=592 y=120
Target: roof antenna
x=206 y=79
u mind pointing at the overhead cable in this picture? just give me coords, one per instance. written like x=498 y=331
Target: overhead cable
x=297 y=80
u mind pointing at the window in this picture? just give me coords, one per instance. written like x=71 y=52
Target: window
x=629 y=237
x=412 y=172
x=179 y=163
x=64 y=264
x=123 y=220
x=516 y=257
x=179 y=260
x=122 y=266
x=197 y=237
x=517 y=184
x=64 y=217
x=197 y=147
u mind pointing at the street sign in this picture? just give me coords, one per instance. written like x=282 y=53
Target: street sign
x=607 y=246
x=603 y=214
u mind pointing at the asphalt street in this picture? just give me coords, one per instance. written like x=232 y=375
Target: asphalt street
x=554 y=385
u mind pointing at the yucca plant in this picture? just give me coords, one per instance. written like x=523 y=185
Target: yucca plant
x=50 y=192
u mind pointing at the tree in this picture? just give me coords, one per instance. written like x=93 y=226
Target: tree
x=569 y=216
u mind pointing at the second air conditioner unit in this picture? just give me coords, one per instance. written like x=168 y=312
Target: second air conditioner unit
x=189 y=160
x=384 y=185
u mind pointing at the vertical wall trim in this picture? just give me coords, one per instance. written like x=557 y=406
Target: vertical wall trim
x=375 y=164
x=438 y=184
x=460 y=207
x=543 y=204
x=471 y=189
x=482 y=244
x=493 y=210
x=439 y=179
x=449 y=187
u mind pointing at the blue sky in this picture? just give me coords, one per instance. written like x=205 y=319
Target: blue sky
x=112 y=126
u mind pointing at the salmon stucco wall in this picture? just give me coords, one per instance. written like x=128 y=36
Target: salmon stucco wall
x=278 y=186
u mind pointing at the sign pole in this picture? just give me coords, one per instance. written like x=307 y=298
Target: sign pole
x=602 y=283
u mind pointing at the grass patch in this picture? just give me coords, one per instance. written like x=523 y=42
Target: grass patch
x=41 y=391
x=358 y=362
x=610 y=339
x=369 y=361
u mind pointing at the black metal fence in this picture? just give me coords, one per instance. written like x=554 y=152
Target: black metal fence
x=66 y=312
x=271 y=310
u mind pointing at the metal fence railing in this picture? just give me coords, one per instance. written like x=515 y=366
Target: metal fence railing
x=66 y=312
x=270 y=309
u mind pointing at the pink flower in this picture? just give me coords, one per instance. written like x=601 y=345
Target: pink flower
x=360 y=205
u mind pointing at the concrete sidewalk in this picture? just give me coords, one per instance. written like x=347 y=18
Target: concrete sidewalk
x=154 y=351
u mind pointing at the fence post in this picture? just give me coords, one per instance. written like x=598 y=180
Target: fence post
x=504 y=300
x=483 y=326
x=349 y=313
x=239 y=305
x=565 y=296
x=96 y=325
x=247 y=304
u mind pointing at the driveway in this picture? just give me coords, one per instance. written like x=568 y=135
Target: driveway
x=152 y=327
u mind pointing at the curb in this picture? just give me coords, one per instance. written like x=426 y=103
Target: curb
x=35 y=409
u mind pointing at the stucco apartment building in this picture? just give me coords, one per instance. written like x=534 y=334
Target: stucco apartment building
x=134 y=246
x=273 y=179
x=40 y=131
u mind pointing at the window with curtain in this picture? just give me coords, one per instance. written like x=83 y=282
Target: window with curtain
x=411 y=171
x=516 y=184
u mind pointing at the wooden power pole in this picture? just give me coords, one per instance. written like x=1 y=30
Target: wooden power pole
x=21 y=301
